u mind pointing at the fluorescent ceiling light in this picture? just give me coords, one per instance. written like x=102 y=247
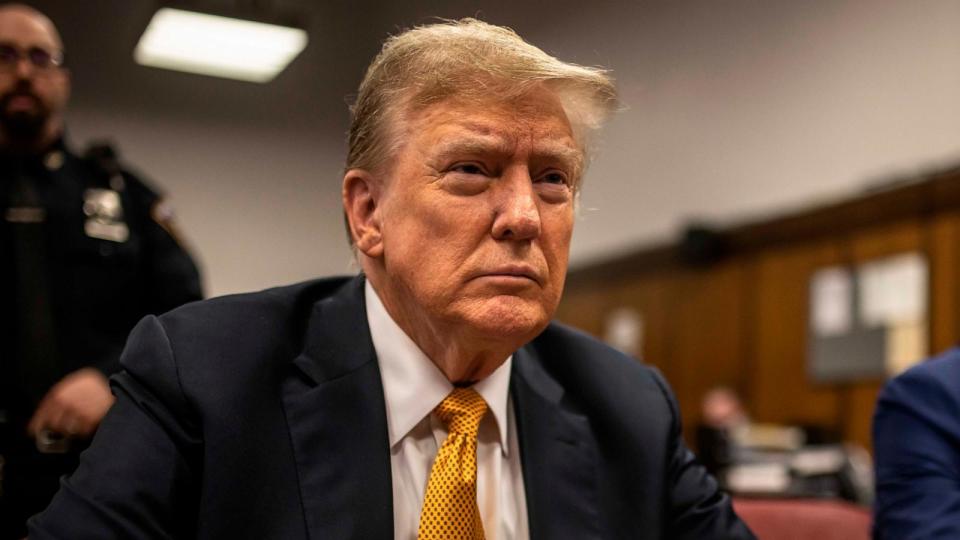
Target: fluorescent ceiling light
x=218 y=46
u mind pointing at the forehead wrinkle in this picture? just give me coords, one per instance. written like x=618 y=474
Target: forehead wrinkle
x=477 y=137
x=556 y=148
x=481 y=130
x=474 y=144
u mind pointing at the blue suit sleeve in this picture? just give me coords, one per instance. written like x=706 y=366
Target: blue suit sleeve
x=917 y=445
x=137 y=479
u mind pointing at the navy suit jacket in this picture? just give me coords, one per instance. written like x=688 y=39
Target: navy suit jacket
x=262 y=416
x=916 y=439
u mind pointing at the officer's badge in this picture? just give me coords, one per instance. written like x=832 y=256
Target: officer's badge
x=53 y=161
x=104 y=215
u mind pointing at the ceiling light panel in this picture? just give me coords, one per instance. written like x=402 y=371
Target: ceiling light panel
x=218 y=46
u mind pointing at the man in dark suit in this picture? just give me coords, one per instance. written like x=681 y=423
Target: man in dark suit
x=429 y=397
x=916 y=439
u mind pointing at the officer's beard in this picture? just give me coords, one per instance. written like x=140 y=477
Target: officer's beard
x=23 y=127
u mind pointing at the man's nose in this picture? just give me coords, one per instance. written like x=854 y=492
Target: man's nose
x=24 y=68
x=517 y=214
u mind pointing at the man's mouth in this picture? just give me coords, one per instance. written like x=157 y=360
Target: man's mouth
x=518 y=273
x=21 y=102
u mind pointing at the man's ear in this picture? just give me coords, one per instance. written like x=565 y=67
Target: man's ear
x=361 y=202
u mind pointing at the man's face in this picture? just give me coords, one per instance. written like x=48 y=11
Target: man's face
x=31 y=97
x=476 y=216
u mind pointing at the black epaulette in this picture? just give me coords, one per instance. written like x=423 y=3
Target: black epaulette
x=102 y=157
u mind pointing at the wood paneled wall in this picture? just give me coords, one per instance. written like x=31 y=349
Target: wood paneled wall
x=742 y=321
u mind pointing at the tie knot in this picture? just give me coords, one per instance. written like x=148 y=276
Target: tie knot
x=462 y=410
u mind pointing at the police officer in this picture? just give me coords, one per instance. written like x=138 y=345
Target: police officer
x=86 y=250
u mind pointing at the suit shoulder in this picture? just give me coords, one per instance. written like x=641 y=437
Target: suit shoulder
x=943 y=366
x=277 y=311
x=619 y=394
x=588 y=350
x=933 y=381
x=579 y=356
x=231 y=349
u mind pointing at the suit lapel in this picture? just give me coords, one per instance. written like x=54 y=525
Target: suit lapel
x=558 y=453
x=333 y=399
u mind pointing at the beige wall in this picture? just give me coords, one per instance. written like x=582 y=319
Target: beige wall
x=736 y=109
x=259 y=207
x=743 y=109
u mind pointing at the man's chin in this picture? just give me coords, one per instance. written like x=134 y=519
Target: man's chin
x=22 y=126
x=508 y=318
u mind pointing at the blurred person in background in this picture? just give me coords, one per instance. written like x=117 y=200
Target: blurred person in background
x=916 y=442
x=429 y=397
x=764 y=459
x=86 y=250
x=722 y=423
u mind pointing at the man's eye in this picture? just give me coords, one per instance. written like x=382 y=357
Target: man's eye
x=554 y=178
x=467 y=168
x=40 y=57
x=8 y=54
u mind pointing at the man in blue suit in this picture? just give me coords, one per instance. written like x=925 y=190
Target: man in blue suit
x=916 y=439
x=429 y=397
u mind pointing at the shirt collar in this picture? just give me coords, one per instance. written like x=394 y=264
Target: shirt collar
x=413 y=385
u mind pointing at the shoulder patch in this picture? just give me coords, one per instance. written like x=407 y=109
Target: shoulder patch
x=162 y=213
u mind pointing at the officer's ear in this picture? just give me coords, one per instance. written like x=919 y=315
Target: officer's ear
x=361 y=203
x=67 y=81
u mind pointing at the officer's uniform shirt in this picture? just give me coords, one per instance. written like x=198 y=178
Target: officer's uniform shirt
x=108 y=262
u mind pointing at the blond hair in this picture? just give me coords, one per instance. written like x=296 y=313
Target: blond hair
x=466 y=59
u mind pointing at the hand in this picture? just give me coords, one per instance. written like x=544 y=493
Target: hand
x=74 y=406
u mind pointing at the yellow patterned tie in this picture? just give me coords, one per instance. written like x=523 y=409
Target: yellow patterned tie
x=450 y=506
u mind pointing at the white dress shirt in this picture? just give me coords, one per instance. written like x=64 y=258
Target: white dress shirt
x=412 y=387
